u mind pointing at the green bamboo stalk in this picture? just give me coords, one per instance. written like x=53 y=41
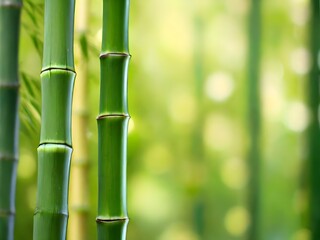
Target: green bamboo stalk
x=9 y=90
x=198 y=147
x=79 y=181
x=54 y=152
x=113 y=122
x=313 y=131
x=254 y=118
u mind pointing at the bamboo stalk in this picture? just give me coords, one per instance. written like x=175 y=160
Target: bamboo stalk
x=9 y=124
x=254 y=118
x=198 y=147
x=313 y=131
x=79 y=189
x=113 y=121
x=54 y=152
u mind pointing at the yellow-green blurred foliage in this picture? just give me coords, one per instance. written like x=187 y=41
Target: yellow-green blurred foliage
x=188 y=135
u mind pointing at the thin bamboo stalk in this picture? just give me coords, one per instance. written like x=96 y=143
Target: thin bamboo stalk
x=54 y=152
x=314 y=130
x=9 y=124
x=79 y=189
x=198 y=147
x=113 y=121
x=254 y=119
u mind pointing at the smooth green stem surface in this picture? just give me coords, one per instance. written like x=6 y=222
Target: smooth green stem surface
x=56 y=88
x=58 y=34
x=314 y=130
x=113 y=121
x=9 y=123
x=115 y=26
x=51 y=214
x=254 y=118
x=54 y=155
x=54 y=152
x=112 y=167
x=114 y=71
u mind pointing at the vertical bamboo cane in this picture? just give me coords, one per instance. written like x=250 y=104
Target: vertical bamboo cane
x=113 y=121
x=254 y=119
x=79 y=201
x=54 y=152
x=198 y=148
x=9 y=86
x=314 y=130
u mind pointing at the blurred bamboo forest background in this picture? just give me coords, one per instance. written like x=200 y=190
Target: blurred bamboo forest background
x=188 y=136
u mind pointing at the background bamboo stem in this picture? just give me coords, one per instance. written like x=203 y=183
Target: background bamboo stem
x=54 y=152
x=197 y=146
x=9 y=124
x=79 y=189
x=314 y=130
x=254 y=118
x=113 y=121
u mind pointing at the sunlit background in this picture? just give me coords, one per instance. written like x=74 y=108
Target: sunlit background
x=188 y=135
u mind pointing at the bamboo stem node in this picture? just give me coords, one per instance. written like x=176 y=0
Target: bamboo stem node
x=56 y=213
x=6 y=213
x=123 y=219
x=4 y=157
x=55 y=143
x=115 y=54
x=58 y=68
x=10 y=85
x=104 y=116
x=11 y=5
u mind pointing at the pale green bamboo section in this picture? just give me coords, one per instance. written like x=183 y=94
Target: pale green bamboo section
x=113 y=122
x=9 y=123
x=54 y=152
x=79 y=179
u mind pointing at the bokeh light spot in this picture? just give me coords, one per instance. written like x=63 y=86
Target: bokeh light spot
x=297 y=116
x=272 y=92
x=149 y=200
x=234 y=173
x=183 y=108
x=219 y=86
x=158 y=159
x=302 y=234
x=179 y=232
x=219 y=132
x=237 y=221
x=300 y=62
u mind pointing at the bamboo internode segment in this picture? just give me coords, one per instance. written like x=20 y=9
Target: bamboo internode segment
x=58 y=35
x=115 y=26
x=56 y=88
x=114 y=75
x=112 y=135
x=9 y=99
x=54 y=152
x=113 y=122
